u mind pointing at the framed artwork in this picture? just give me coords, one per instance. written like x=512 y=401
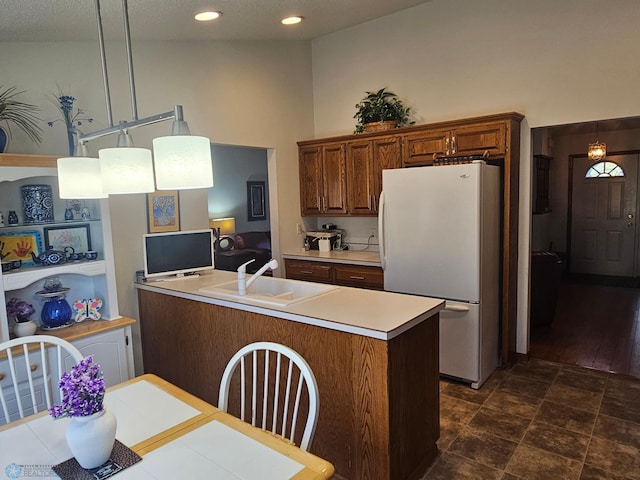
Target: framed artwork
x=163 y=211
x=78 y=237
x=256 y=207
x=19 y=245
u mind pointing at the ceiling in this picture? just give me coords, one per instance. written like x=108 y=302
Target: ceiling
x=51 y=20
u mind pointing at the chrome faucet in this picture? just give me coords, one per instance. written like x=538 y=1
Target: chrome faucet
x=243 y=284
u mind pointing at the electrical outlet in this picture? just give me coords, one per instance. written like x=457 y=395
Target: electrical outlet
x=299 y=228
x=372 y=233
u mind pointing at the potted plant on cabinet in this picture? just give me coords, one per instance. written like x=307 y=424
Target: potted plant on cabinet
x=23 y=115
x=381 y=110
x=21 y=311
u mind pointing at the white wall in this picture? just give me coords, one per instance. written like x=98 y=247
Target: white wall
x=450 y=59
x=236 y=93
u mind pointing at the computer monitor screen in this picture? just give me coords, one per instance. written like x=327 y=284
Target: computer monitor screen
x=177 y=253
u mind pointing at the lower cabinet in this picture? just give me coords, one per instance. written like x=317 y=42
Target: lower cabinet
x=348 y=275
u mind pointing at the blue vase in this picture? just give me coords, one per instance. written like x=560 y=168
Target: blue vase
x=37 y=203
x=68 y=214
x=56 y=311
x=4 y=140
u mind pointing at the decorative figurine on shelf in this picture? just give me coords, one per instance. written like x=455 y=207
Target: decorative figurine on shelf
x=68 y=214
x=12 y=218
x=87 y=309
x=85 y=215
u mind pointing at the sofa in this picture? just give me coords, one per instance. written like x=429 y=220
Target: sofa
x=245 y=246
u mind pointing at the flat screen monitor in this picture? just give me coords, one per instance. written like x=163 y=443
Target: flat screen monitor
x=177 y=253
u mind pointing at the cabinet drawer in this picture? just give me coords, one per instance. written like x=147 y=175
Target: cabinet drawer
x=359 y=276
x=310 y=271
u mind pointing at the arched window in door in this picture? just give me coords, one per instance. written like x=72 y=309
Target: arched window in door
x=605 y=169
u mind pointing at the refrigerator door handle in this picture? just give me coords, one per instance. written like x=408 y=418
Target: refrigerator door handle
x=456 y=308
x=381 y=230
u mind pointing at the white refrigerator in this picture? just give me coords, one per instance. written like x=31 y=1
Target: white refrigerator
x=439 y=236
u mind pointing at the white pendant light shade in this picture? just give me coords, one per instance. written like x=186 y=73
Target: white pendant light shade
x=79 y=178
x=126 y=170
x=182 y=162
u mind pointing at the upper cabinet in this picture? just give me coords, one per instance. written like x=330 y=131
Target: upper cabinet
x=322 y=172
x=460 y=140
x=84 y=224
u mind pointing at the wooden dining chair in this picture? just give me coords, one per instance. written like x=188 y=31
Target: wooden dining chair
x=28 y=387
x=275 y=385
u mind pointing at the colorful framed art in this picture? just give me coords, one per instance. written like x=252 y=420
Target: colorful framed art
x=18 y=245
x=163 y=211
x=77 y=236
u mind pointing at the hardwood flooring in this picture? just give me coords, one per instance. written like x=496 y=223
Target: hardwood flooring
x=594 y=326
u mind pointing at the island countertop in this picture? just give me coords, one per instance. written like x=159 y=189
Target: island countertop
x=375 y=314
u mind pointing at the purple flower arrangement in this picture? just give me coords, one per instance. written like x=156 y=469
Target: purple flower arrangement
x=20 y=310
x=82 y=391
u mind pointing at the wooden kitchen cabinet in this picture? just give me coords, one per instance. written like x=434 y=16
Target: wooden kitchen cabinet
x=499 y=135
x=348 y=275
x=322 y=173
x=474 y=139
x=365 y=161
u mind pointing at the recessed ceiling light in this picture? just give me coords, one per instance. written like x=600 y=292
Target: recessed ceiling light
x=207 y=16
x=291 y=20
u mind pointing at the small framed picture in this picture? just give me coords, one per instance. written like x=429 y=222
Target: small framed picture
x=78 y=237
x=257 y=209
x=163 y=211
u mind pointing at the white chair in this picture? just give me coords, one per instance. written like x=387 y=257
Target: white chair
x=271 y=379
x=22 y=382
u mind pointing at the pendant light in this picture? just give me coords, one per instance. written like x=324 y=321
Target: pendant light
x=183 y=161
x=597 y=150
x=79 y=176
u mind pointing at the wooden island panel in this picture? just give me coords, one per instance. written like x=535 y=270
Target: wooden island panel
x=379 y=415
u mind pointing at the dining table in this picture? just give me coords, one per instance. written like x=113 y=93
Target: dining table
x=176 y=434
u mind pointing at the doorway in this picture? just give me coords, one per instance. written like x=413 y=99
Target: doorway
x=596 y=322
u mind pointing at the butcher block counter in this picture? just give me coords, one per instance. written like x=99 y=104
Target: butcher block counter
x=374 y=355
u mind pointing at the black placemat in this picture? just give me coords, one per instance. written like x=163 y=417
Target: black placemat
x=121 y=458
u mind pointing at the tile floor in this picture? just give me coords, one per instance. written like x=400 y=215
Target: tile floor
x=540 y=420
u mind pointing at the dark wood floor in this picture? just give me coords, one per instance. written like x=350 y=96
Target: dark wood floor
x=595 y=327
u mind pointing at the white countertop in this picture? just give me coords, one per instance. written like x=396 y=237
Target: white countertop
x=353 y=257
x=371 y=313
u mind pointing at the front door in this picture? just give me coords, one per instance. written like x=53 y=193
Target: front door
x=603 y=216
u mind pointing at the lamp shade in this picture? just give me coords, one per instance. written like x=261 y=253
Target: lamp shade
x=79 y=178
x=597 y=151
x=126 y=170
x=182 y=162
x=226 y=225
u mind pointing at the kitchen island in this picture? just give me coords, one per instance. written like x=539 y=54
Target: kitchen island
x=374 y=356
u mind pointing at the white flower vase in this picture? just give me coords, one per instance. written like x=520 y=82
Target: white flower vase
x=91 y=438
x=24 y=329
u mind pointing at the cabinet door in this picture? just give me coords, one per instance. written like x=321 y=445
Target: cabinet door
x=310 y=165
x=334 y=199
x=480 y=138
x=308 y=270
x=359 y=276
x=419 y=148
x=109 y=349
x=361 y=174
x=387 y=154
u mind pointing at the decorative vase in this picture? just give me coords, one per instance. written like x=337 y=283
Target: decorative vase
x=91 y=438
x=24 y=329
x=12 y=218
x=4 y=140
x=68 y=214
x=56 y=311
x=37 y=203
x=71 y=140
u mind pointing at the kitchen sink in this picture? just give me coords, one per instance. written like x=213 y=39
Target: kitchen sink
x=275 y=291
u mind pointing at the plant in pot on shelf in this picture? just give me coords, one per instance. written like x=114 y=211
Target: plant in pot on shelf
x=381 y=110
x=22 y=115
x=20 y=311
x=92 y=431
